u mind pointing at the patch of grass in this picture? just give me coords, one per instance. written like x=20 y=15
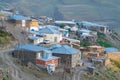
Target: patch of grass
x=85 y=43
x=102 y=41
x=104 y=44
x=101 y=35
x=62 y=25
x=5 y=37
x=116 y=63
x=102 y=74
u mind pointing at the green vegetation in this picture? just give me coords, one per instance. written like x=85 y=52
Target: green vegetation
x=5 y=37
x=85 y=43
x=116 y=63
x=102 y=41
x=105 y=44
x=62 y=25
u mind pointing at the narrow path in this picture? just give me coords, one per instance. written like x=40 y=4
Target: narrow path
x=16 y=72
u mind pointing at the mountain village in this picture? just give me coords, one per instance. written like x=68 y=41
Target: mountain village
x=58 y=46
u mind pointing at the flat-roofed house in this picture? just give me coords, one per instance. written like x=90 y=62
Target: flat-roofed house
x=36 y=40
x=95 y=48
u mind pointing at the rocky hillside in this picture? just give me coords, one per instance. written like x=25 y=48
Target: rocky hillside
x=100 y=11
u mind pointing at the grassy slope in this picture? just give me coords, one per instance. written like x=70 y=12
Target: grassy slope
x=103 y=74
x=5 y=38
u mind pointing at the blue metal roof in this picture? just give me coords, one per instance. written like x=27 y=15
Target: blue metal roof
x=49 y=30
x=30 y=47
x=111 y=50
x=33 y=38
x=65 y=22
x=33 y=32
x=19 y=17
x=55 y=46
x=90 y=24
x=84 y=31
x=53 y=27
x=47 y=59
x=64 y=49
x=85 y=35
x=6 y=12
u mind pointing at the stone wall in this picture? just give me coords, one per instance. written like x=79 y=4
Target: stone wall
x=25 y=56
x=69 y=60
x=75 y=60
x=96 y=49
x=27 y=24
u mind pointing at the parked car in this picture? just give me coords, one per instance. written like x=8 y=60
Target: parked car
x=46 y=41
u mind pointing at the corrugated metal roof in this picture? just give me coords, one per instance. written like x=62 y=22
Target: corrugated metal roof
x=111 y=50
x=85 y=35
x=53 y=27
x=34 y=38
x=64 y=49
x=55 y=46
x=6 y=12
x=65 y=22
x=49 y=30
x=19 y=17
x=90 y=24
x=84 y=31
x=30 y=47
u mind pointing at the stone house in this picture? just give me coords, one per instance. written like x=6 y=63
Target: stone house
x=36 y=54
x=92 y=55
x=98 y=49
x=69 y=56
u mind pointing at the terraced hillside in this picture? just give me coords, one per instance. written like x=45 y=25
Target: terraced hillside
x=100 y=11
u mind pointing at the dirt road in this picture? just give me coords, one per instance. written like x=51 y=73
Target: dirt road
x=15 y=71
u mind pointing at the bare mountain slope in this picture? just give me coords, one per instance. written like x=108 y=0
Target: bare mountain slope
x=101 y=11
